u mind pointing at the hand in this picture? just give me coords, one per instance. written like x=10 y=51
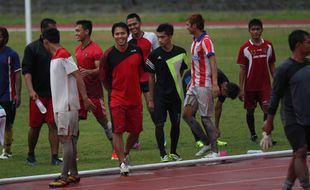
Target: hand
x=215 y=90
x=16 y=101
x=33 y=95
x=89 y=105
x=150 y=106
x=241 y=95
x=266 y=141
x=84 y=72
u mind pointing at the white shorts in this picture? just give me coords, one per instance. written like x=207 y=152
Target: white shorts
x=67 y=123
x=200 y=99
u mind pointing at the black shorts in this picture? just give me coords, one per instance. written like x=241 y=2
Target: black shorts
x=162 y=106
x=298 y=136
x=10 y=111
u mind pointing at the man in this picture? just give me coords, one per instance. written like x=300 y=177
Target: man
x=10 y=88
x=227 y=89
x=257 y=61
x=167 y=64
x=121 y=71
x=291 y=86
x=88 y=55
x=147 y=41
x=64 y=73
x=36 y=71
x=203 y=86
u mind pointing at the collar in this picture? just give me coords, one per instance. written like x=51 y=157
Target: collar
x=200 y=37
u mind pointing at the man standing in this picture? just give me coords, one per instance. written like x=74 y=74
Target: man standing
x=257 y=62
x=199 y=96
x=64 y=73
x=147 y=41
x=291 y=86
x=121 y=71
x=88 y=55
x=10 y=88
x=167 y=64
x=36 y=71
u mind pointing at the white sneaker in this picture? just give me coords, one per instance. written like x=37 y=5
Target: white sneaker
x=4 y=156
x=124 y=170
x=203 y=150
x=212 y=155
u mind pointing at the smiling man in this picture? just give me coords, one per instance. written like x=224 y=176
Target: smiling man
x=121 y=70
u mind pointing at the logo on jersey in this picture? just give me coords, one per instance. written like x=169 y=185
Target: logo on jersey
x=158 y=58
x=133 y=50
x=195 y=58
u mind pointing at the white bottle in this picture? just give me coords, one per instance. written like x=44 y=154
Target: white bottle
x=254 y=151
x=40 y=106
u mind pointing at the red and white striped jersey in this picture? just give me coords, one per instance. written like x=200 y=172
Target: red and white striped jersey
x=202 y=49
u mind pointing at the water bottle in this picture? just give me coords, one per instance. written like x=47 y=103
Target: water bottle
x=254 y=151
x=40 y=106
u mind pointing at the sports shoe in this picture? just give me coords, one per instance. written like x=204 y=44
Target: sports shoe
x=203 y=150
x=56 y=161
x=114 y=155
x=199 y=144
x=211 y=155
x=221 y=143
x=137 y=146
x=174 y=157
x=4 y=156
x=31 y=160
x=124 y=170
x=74 y=179
x=254 y=138
x=59 y=182
x=164 y=158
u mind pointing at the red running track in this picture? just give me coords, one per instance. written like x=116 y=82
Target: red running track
x=256 y=174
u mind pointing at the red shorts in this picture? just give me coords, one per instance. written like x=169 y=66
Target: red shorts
x=36 y=118
x=99 y=112
x=127 y=118
x=252 y=97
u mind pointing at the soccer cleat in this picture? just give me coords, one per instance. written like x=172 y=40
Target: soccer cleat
x=74 y=179
x=59 y=182
x=221 y=143
x=56 y=161
x=211 y=155
x=137 y=146
x=4 y=156
x=114 y=156
x=164 y=158
x=203 y=150
x=254 y=138
x=31 y=160
x=124 y=170
x=199 y=144
x=174 y=157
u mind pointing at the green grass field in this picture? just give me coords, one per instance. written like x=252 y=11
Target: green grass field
x=94 y=149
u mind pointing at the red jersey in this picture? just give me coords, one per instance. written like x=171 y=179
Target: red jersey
x=86 y=58
x=148 y=42
x=256 y=60
x=121 y=72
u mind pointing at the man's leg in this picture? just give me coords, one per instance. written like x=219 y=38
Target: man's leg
x=54 y=143
x=33 y=136
x=160 y=139
x=300 y=166
x=211 y=132
x=131 y=140
x=67 y=144
x=107 y=129
x=251 y=123
x=118 y=145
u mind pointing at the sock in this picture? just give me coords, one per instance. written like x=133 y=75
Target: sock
x=67 y=157
x=250 y=121
x=160 y=139
x=287 y=185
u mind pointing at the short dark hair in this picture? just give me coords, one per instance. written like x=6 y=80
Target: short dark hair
x=165 y=27
x=52 y=35
x=86 y=24
x=232 y=90
x=133 y=15
x=46 y=22
x=5 y=34
x=297 y=36
x=121 y=25
x=255 y=22
x=196 y=19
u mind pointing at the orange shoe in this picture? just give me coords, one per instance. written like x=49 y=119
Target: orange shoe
x=114 y=156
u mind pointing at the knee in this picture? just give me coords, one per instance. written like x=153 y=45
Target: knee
x=250 y=112
x=159 y=126
x=301 y=152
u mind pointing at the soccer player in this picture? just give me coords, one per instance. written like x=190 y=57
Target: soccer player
x=257 y=62
x=10 y=88
x=199 y=96
x=88 y=55
x=147 y=41
x=291 y=86
x=167 y=64
x=227 y=89
x=36 y=71
x=121 y=70
x=64 y=73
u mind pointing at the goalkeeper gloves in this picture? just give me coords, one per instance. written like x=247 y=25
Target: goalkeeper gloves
x=266 y=141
